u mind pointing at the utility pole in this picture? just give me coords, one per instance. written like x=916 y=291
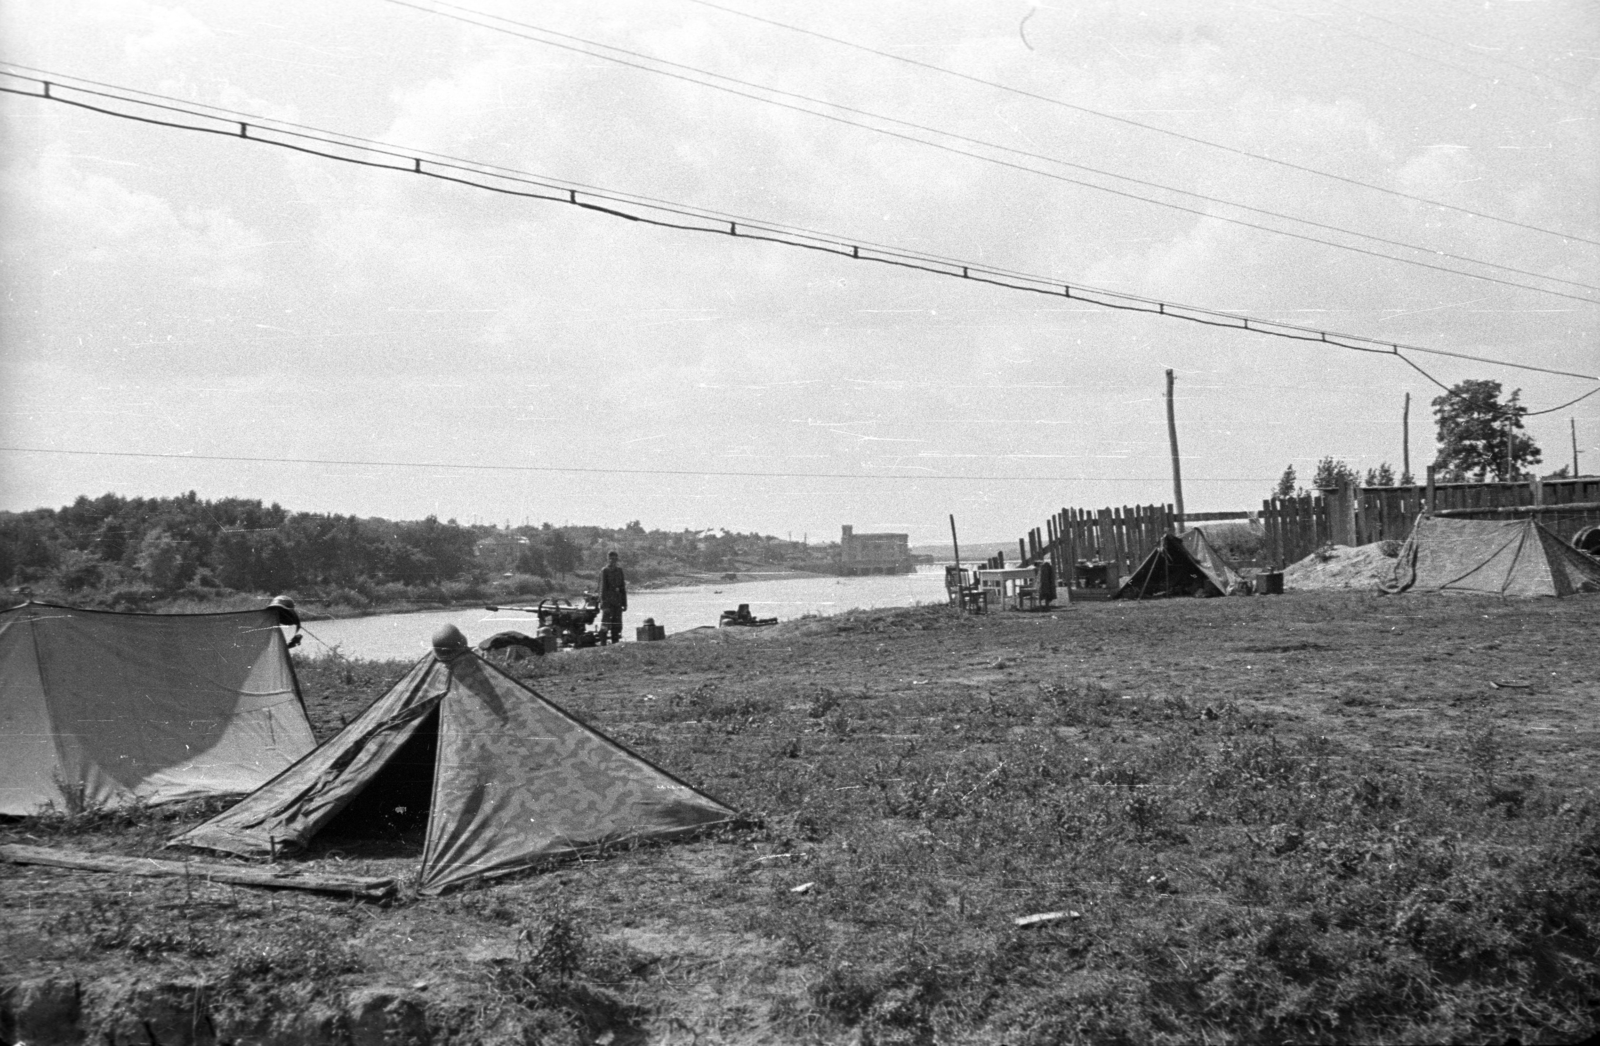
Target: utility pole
x=1509 y=476
x=1574 y=445
x=1172 y=436
x=1405 y=440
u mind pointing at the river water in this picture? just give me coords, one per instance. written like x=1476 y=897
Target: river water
x=675 y=609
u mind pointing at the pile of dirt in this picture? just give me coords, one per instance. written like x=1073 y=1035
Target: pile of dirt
x=1340 y=566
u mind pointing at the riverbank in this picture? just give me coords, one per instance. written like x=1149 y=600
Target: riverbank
x=1325 y=816
x=495 y=592
x=782 y=595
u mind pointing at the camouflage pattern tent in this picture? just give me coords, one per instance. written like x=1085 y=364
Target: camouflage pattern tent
x=1187 y=566
x=505 y=777
x=102 y=709
x=1517 y=557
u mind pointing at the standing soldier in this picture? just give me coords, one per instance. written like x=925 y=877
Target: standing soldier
x=613 y=599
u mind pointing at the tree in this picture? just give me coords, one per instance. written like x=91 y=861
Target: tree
x=1473 y=426
x=561 y=554
x=1382 y=476
x=1286 y=482
x=1332 y=473
x=164 y=560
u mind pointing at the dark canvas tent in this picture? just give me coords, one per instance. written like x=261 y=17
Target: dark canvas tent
x=100 y=708
x=1516 y=557
x=507 y=778
x=1186 y=566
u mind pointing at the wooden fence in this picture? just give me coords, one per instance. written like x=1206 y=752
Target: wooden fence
x=1387 y=513
x=1293 y=528
x=1117 y=537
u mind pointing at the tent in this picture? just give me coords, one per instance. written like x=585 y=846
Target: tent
x=1516 y=557
x=101 y=709
x=1187 y=566
x=503 y=778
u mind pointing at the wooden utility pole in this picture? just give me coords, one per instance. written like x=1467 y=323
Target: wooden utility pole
x=1405 y=440
x=1574 y=445
x=1172 y=436
x=1509 y=475
x=955 y=544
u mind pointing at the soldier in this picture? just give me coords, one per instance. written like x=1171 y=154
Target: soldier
x=613 y=599
x=1047 y=582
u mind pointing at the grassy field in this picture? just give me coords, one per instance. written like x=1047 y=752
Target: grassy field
x=1320 y=817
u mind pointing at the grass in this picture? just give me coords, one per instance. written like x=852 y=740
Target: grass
x=1261 y=820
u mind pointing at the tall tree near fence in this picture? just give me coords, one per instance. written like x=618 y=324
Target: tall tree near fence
x=1286 y=482
x=1474 y=427
x=1332 y=473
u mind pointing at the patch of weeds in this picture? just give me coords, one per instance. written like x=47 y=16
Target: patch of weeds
x=304 y=957
x=265 y=977
x=1376 y=793
x=560 y=979
x=486 y=906
x=107 y=923
x=1144 y=811
x=823 y=703
x=707 y=702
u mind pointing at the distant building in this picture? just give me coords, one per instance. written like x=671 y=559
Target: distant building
x=874 y=553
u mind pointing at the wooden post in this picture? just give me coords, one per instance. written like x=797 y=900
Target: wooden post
x=955 y=544
x=1172 y=437
x=1108 y=541
x=1405 y=441
x=1574 y=446
x=1432 y=491
x=1511 y=477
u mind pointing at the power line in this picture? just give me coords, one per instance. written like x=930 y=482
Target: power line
x=1438 y=39
x=1020 y=92
x=1563 y=406
x=187 y=108
x=753 y=230
x=591 y=470
x=1008 y=149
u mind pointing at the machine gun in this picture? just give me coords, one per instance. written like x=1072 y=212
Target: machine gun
x=743 y=617
x=569 y=622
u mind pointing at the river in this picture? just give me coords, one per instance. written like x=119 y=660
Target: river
x=407 y=636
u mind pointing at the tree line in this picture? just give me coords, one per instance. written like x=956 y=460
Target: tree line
x=1479 y=438
x=128 y=551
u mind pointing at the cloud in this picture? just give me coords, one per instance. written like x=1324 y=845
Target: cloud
x=92 y=218
x=166 y=31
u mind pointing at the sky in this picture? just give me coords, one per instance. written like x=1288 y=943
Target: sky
x=188 y=311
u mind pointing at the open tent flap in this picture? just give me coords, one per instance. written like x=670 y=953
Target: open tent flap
x=291 y=808
x=1205 y=554
x=158 y=707
x=515 y=780
x=1171 y=569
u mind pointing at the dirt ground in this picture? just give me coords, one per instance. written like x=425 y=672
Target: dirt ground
x=1329 y=816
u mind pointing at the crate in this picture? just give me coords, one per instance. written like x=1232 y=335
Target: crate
x=650 y=632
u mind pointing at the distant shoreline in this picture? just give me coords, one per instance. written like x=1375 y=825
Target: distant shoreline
x=315 y=612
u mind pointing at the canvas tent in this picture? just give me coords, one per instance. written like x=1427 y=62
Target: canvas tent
x=504 y=778
x=1187 y=566
x=101 y=708
x=1516 y=557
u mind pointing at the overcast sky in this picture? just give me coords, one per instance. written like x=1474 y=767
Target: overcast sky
x=171 y=298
